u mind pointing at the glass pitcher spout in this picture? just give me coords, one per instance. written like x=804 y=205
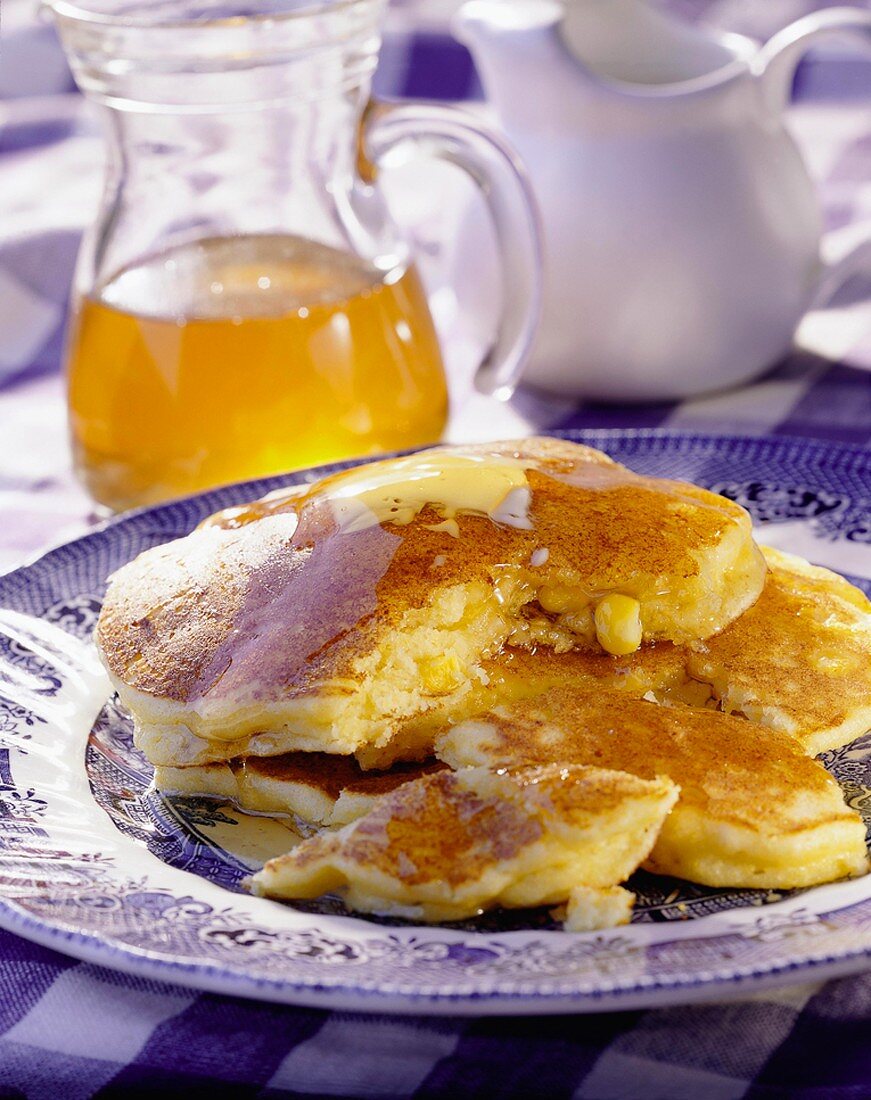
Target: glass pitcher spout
x=180 y=55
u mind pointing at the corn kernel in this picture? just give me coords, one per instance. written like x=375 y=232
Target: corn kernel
x=618 y=624
x=440 y=674
x=557 y=599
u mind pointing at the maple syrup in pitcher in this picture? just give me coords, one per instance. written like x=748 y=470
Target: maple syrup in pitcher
x=244 y=303
x=241 y=357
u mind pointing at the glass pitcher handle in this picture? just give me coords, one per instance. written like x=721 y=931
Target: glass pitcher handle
x=459 y=137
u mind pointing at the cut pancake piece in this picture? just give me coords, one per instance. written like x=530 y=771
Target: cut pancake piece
x=654 y=671
x=754 y=810
x=589 y=908
x=324 y=620
x=799 y=660
x=317 y=788
x=450 y=845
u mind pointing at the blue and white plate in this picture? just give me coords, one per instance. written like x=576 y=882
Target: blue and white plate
x=94 y=863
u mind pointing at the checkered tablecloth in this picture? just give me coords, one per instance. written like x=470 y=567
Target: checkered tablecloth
x=74 y=1030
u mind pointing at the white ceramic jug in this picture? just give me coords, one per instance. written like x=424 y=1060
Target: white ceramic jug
x=681 y=227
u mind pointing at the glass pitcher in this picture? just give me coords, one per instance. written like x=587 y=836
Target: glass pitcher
x=244 y=304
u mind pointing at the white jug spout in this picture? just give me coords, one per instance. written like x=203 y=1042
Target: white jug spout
x=549 y=64
x=521 y=55
x=631 y=42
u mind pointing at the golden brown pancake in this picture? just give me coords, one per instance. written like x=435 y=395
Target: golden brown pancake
x=326 y=620
x=449 y=845
x=320 y=789
x=754 y=810
x=799 y=660
x=656 y=671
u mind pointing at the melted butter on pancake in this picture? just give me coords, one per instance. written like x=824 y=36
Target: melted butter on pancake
x=449 y=845
x=754 y=810
x=284 y=627
x=397 y=490
x=495 y=486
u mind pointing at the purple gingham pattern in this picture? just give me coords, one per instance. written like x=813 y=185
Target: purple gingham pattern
x=76 y=1030
x=73 y=1029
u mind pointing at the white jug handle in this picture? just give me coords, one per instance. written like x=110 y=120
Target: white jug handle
x=775 y=65
x=842 y=258
x=776 y=61
x=408 y=129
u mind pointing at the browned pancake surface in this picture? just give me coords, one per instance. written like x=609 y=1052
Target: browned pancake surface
x=276 y=598
x=799 y=660
x=453 y=844
x=754 y=810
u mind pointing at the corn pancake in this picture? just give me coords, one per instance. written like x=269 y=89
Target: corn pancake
x=799 y=660
x=754 y=810
x=452 y=844
x=653 y=671
x=320 y=789
x=305 y=783
x=324 y=619
x=308 y=784
x=827 y=606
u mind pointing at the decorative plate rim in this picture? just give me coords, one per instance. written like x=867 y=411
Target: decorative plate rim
x=644 y=990
x=348 y=997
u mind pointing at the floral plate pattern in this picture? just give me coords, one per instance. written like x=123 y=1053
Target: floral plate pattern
x=94 y=863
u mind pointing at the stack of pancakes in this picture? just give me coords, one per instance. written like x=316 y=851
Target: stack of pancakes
x=500 y=675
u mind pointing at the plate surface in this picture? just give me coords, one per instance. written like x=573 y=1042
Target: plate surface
x=95 y=864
